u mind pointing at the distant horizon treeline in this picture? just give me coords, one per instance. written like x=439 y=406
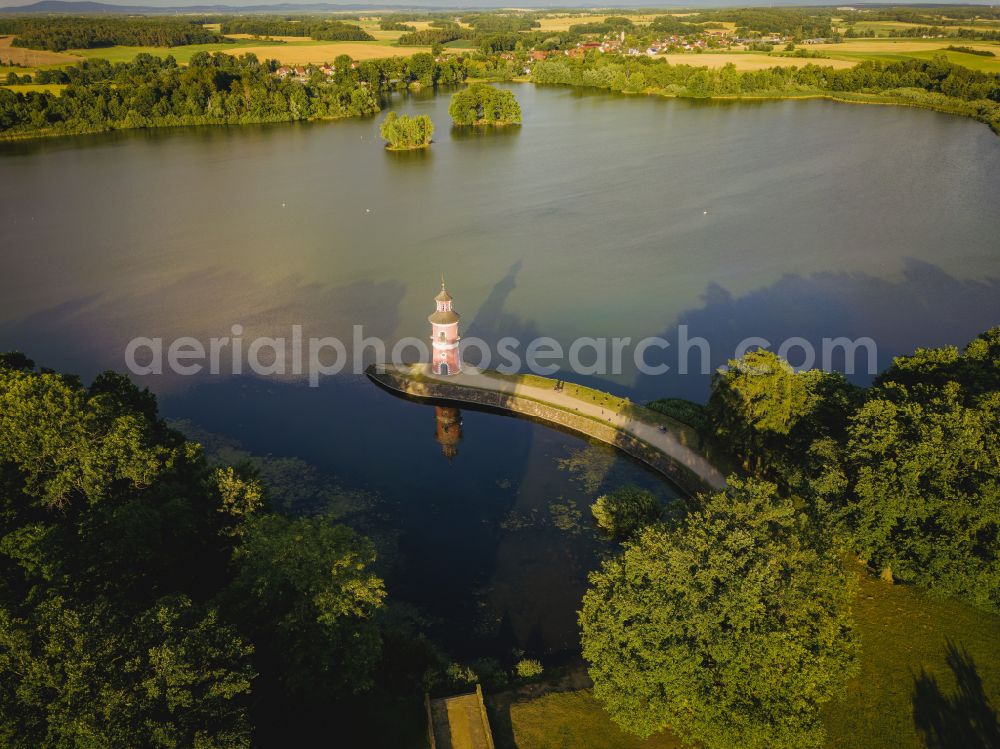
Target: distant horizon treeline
x=60 y=33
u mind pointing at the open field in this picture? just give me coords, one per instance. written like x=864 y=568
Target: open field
x=31 y=57
x=382 y=35
x=747 y=61
x=898 y=46
x=183 y=54
x=921 y=49
x=571 y=719
x=303 y=52
x=265 y=39
x=904 y=634
x=973 y=62
x=882 y=28
x=38 y=88
x=318 y=52
x=562 y=22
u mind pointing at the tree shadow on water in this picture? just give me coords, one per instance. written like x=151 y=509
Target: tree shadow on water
x=964 y=719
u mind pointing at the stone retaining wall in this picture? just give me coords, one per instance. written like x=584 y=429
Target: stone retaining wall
x=679 y=474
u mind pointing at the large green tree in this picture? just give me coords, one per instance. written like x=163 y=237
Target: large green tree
x=143 y=592
x=730 y=629
x=768 y=415
x=916 y=485
x=174 y=676
x=309 y=587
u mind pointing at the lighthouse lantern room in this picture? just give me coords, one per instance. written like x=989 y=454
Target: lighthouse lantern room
x=444 y=335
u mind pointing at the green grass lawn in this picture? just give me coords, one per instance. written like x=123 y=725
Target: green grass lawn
x=31 y=70
x=904 y=633
x=570 y=720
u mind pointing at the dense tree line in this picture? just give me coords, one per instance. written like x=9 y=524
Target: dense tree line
x=971 y=51
x=936 y=84
x=907 y=472
x=726 y=617
x=387 y=25
x=498 y=43
x=950 y=16
x=150 y=599
x=795 y=22
x=979 y=35
x=730 y=624
x=212 y=89
x=150 y=92
x=494 y=23
x=427 y=37
x=673 y=25
x=334 y=31
x=61 y=33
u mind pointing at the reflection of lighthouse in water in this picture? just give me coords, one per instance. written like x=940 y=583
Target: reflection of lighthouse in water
x=449 y=429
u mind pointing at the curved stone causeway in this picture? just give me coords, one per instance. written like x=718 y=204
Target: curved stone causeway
x=660 y=442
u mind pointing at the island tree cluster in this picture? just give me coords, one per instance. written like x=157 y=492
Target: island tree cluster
x=403 y=132
x=482 y=104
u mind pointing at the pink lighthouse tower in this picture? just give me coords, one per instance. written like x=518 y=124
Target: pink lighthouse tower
x=444 y=335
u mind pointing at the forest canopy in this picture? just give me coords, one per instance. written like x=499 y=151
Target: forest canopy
x=149 y=598
x=320 y=30
x=211 y=89
x=68 y=32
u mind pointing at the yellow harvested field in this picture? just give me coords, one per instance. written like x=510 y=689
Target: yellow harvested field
x=39 y=88
x=563 y=22
x=384 y=36
x=560 y=23
x=31 y=57
x=419 y=25
x=750 y=61
x=898 y=47
x=288 y=39
x=305 y=54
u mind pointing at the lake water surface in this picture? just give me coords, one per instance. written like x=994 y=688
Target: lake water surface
x=600 y=216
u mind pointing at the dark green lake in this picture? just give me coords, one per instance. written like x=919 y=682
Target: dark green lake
x=600 y=216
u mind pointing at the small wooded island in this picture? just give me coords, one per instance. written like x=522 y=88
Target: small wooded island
x=404 y=133
x=482 y=104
